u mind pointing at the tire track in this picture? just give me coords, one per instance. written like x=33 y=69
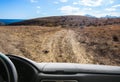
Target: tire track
x=63 y=47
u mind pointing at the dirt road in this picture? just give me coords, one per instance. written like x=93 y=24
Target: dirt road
x=55 y=44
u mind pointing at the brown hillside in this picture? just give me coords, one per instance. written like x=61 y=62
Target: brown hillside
x=89 y=45
x=1 y=24
x=70 y=21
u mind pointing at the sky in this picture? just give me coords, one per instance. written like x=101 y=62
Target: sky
x=27 y=9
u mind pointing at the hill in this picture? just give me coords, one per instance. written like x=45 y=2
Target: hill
x=1 y=24
x=70 y=21
x=55 y=44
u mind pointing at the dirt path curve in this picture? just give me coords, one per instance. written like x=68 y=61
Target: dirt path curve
x=55 y=44
x=43 y=44
x=62 y=47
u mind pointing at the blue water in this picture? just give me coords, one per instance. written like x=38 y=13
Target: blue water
x=9 y=21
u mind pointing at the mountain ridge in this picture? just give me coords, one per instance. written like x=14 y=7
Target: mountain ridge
x=69 y=21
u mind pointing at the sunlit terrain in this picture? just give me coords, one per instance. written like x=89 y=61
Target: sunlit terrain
x=91 y=45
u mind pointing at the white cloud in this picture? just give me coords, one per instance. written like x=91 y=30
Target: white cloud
x=115 y=13
x=33 y=1
x=111 y=1
x=113 y=8
x=100 y=14
x=92 y=3
x=63 y=1
x=56 y=2
x=110 y=9
x=72 y=10
x=116 y=6
x=75 y=3
x=87 y=9
x=38 y=12
x=38 y=7
x=69 y=9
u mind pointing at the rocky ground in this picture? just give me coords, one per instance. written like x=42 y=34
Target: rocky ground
x=93 y=45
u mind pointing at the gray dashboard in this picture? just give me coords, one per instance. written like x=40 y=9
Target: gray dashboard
x=64 y=72
x=78 y=68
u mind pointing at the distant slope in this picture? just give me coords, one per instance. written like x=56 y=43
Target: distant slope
x=70 y=21
x=1 y=23
x=9 y=21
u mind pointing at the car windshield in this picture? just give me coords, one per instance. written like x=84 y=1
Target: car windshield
x=72 y=31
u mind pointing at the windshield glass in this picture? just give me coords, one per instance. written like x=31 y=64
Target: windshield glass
x=74 y=31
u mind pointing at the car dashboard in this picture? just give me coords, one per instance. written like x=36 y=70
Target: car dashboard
x=30 y=71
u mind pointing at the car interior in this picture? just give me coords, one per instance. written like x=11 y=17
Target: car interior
x=20 y=69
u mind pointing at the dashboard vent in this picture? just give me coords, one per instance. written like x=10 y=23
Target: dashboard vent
x=59 y=81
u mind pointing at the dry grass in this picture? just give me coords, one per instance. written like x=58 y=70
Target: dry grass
x=55 y=44
x=102 y=44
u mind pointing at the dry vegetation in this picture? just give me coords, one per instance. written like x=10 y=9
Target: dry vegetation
x=54 y=44
x=70 y=21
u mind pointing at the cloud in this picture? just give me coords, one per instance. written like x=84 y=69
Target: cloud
x=101 y=14
x=56 y=2
x=115 y=13
x=63 y=1
x=69 y=9
x=72 y=10
x=111 y=1
x=75 y=3
x=87 y=9
x=33 y=1
x=113 y=8
x=98 y=8
x=38 y=7
x=110 y=9
x=116 y=6
x=91 y=3
x=38 y=12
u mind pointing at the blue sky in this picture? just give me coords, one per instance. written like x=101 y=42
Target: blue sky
x=26 y=9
